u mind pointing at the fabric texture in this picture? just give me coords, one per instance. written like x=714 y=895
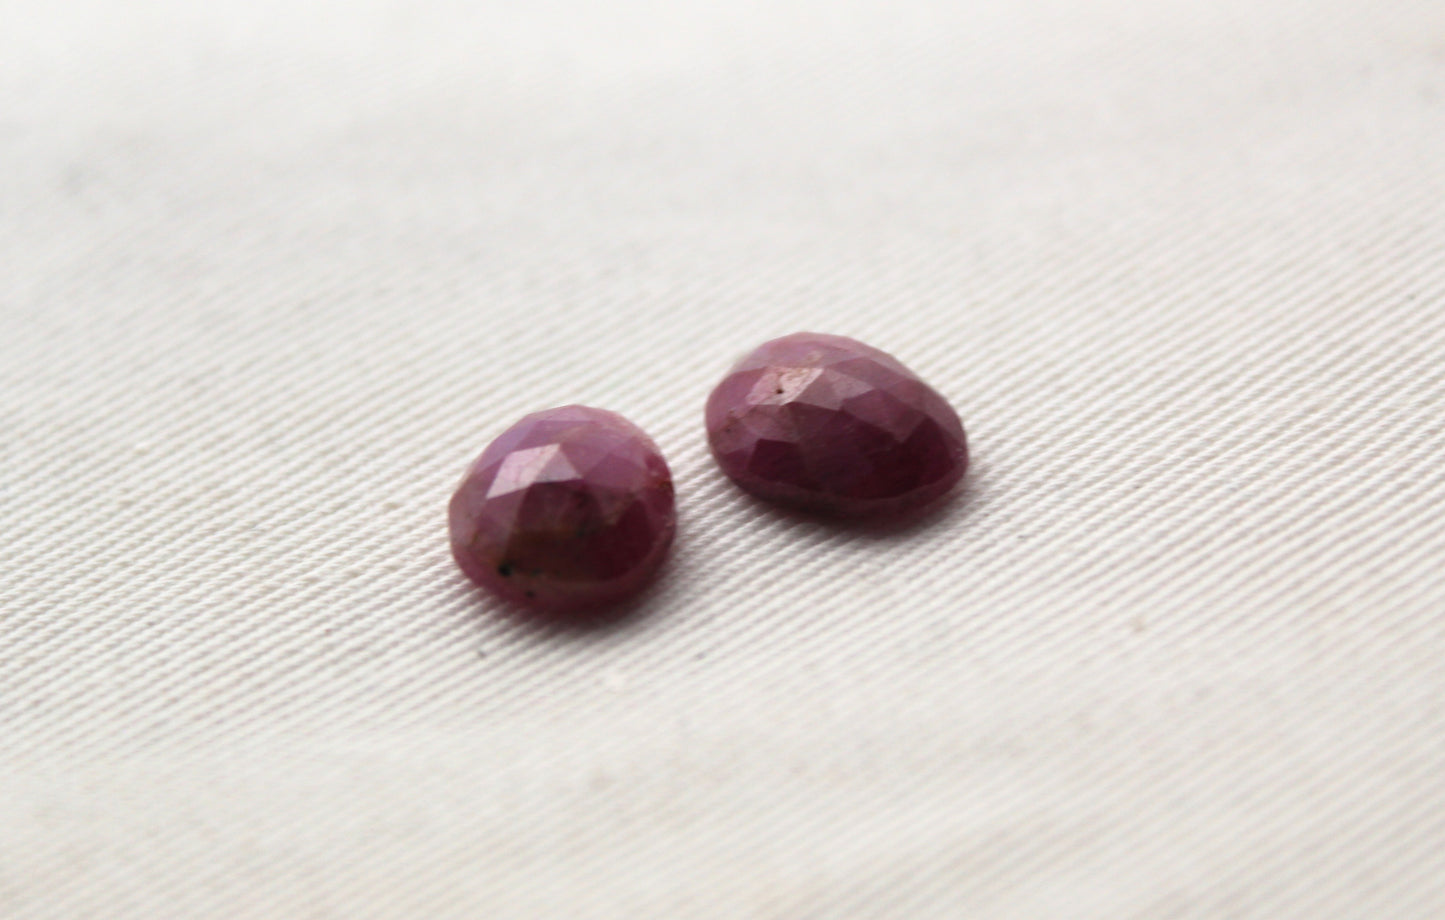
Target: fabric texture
x=272 y=274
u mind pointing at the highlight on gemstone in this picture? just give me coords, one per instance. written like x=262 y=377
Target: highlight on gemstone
x=568 y=509
x=827 y=424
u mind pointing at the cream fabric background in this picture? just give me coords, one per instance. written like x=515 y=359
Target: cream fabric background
x=272 y=273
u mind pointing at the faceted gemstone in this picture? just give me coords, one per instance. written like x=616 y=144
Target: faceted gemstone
x=828 y=424
x=568 y=509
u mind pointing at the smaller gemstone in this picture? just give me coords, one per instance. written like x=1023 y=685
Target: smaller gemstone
x=568 y=509
x=828 y=424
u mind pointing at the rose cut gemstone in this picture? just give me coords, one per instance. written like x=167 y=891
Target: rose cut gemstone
x=568 y=509
x=827 y=424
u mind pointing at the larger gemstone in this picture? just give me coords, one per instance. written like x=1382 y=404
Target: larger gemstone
x=826 y=423
x=569 y=508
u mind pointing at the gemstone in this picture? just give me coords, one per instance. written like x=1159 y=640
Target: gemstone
x=827 y=424
x=568 y=509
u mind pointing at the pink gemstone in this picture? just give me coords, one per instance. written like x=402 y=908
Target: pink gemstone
x=828 y=424
x=570 y=508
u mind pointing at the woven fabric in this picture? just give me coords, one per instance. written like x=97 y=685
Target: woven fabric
x=272 y=273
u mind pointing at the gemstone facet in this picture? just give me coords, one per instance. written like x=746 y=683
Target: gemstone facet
x=827 y=424
x=568 y=509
